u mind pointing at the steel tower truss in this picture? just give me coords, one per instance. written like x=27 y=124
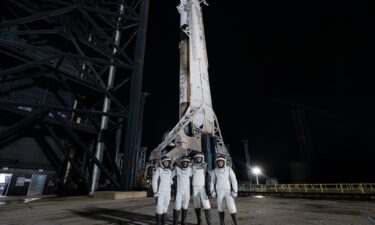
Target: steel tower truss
x=71 y=71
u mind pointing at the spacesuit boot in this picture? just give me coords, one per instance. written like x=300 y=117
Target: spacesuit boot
x=234 y=218
x=159 y=219
x=183 y=216
x=207 y=212
x=221 y=217
x=164 y=218
x=176 y=214
x=198 y=213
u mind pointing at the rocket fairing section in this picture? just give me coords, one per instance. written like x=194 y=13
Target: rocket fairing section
x=197 y=117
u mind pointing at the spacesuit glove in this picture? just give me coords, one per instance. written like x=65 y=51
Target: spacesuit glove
x=156 y=194
x=234 y=194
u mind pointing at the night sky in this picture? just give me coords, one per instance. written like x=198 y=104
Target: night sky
x=265 y=59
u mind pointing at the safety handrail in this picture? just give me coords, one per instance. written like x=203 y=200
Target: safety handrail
x=344 y=188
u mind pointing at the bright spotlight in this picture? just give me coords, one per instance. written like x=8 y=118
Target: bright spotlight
x=256 y=170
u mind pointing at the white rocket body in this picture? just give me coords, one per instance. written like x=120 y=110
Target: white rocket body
x=197 y=116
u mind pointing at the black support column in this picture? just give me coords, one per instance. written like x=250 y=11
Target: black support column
x=130 y=151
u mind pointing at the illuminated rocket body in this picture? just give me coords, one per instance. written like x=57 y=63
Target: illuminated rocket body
x=196 y=113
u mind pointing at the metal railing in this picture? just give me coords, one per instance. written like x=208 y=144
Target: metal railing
x=337 y=188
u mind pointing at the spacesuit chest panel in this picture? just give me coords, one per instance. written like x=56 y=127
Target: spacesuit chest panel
x=199 y=173
x=165 y=179
x=222 y=179
x=183 y=178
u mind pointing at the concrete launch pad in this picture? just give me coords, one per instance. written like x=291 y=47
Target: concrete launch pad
x=251 y=210
x=116 y=195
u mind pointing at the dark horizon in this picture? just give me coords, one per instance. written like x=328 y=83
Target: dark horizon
x=265 y=60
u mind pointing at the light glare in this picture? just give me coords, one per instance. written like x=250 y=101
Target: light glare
x=256 y=170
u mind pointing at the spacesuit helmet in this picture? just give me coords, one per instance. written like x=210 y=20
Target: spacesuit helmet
x=220 y=161
x=165 y=162
x=184 y=162
x=199 y=158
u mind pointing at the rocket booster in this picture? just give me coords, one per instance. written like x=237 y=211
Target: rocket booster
x=184 y=100
x=196 y=114
x=194 y=80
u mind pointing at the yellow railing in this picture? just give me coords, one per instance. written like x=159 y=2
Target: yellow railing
x=345 y=188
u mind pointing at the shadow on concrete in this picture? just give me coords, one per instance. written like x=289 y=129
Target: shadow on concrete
x=114 y=216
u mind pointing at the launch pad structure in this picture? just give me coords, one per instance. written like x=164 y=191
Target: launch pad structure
x=70 y=94
x=70 y=84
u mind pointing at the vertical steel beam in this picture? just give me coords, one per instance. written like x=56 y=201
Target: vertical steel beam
x=106 y=107
x=139 y=136
x=118 y=143
x=248 y=161
x=130 y=151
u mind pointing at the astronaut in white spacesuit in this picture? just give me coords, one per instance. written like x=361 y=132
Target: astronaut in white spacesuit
x=224 y=186
x=199 y=190
x=161 y=186
x=183 y=174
